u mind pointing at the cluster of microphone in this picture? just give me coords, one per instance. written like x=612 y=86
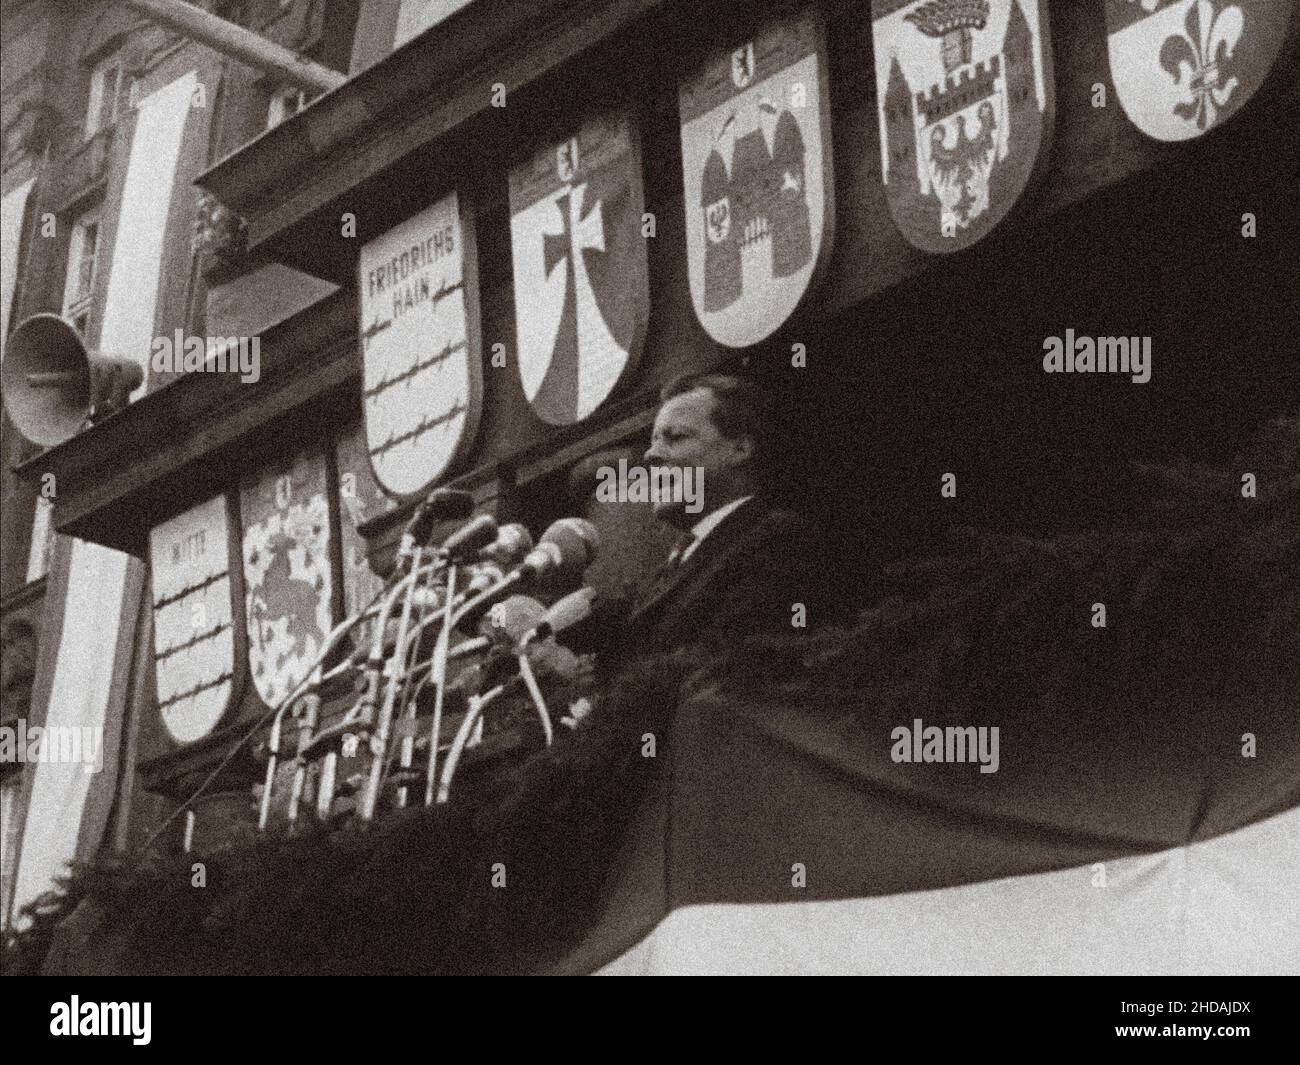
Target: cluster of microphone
x=465 y=592
x=500 y=559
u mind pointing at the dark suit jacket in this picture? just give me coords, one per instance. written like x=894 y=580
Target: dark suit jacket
x=744 y=577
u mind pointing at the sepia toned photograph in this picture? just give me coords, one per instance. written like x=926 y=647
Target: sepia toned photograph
x=651 y=487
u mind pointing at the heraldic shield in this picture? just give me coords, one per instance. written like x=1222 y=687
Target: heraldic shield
x=756 y=160
x=965 y=98
x=1182 y=67
x=193 y=620
x=582 y=280
x=288 y=588
x=423 y=384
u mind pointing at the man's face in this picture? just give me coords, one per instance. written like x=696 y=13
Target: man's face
x=685 y=436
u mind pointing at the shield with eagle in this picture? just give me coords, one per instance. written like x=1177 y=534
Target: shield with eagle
x=756 y=160
x=582 y=288
x=964 y=96
x=1182 y=67
x=193 y=621
x=288 y=586
x=422 y=377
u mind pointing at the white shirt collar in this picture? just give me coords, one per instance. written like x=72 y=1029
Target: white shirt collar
x=711 y=521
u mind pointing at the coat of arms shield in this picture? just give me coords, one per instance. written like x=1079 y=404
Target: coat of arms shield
x=1182 y=67
x=193 y=619
x=288 y=583
x=965 y=99
x=422 y=376
x=756 y=160
x=582 y=281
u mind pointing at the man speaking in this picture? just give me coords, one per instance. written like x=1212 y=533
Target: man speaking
x=741 y=564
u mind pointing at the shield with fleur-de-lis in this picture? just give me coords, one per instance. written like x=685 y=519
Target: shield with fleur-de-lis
x=422 y=376
x=965 y=99
x=288 y=583
x=756 y=161
x=1182 y=67
x=582 y=288
x=195 y=632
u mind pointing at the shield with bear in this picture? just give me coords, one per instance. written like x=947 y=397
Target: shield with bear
x=288 y=584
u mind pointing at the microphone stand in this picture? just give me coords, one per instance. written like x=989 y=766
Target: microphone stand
x=277 y=723
x=408 y=738
x=534 y=690
x=477 y=703
x=438 y=670
x=379 y=742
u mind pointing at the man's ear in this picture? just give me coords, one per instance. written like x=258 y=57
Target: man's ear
x=743 y=448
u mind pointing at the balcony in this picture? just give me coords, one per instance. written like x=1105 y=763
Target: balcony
x=83 y=171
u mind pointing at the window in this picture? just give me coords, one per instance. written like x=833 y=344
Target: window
x=109 y=90
x=284 y=103
x=83 y=258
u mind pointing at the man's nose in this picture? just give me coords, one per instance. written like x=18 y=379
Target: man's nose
x=651 y=454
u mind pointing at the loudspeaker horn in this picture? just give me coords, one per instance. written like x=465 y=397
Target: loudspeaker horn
x=53 y=388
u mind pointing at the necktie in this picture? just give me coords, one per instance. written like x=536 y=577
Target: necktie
x=665 y=573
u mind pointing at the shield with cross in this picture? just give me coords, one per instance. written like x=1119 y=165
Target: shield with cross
x=965 y=101
x=756 y=162
x=582 y=289
x=1182 y=67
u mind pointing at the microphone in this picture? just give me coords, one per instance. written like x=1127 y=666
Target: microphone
x=566 y=549
x=512 y=618
x=442 y=504
x=512 y=543
x=465 y=542
x=563 y=613
x=564 y=552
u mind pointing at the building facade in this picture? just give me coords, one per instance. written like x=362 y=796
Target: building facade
x=475 y=262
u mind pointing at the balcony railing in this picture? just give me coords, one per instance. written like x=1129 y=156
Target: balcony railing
x=84 y=170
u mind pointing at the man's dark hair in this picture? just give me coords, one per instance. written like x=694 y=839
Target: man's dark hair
x=738 y=407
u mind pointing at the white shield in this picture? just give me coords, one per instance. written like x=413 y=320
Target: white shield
x=1182 y=67
x=581 y=271
x=422 y=378
x=194 y=636
x=964 y=99
x=756 y=162
x=288 y=582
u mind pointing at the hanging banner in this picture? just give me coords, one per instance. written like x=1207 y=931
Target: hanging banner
x=756 y=158
x=193 y=623
x=420 y=347
x=582 y=278
x=1181 y=67
x=964 y=94
x=288 y=587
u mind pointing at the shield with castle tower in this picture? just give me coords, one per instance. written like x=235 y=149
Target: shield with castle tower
x=964 y=93
x=756 y=159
